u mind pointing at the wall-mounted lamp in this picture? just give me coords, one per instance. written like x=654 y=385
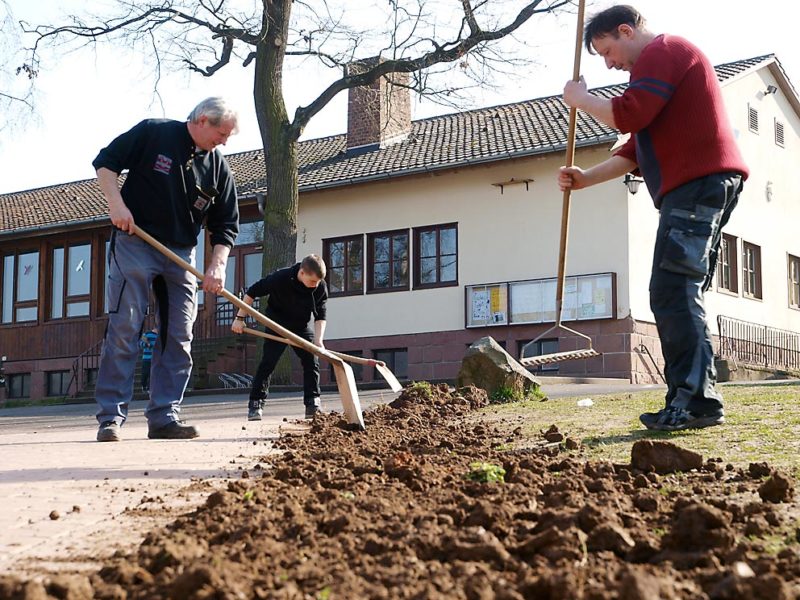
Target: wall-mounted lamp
x=632 y=183
x=771 y=89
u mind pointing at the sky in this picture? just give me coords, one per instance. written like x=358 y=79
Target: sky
x=87 y=97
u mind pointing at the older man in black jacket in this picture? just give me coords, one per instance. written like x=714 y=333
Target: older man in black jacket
x=294 y=295
x=177 y=181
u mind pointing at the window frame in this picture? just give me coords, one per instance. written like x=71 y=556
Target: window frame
x=26 y=385
x=757 y=293
x=392 y=360
x=417 y=257
x=65 y=381
x=371 y=237
x=731 y=244
x=326 y=256
x=16 y=304
x=66 y=300
x=793 y=281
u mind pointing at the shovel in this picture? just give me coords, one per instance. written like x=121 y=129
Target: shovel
x=345 y=380
x=381 y=367
x=562 y=254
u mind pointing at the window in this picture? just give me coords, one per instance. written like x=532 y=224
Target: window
x=436 y=256
x=752 y=119
x=344 y=258
x=751 y=270
x=779 y=137
x=19 y=385
x=57 y=382
x=545 y=346
x=358 y=370
x=90 y=376
x=396 y=359
x=794 y=281
x=727 y=269
x=71 y=285
x=20 y=287
x=388 y=261
x=250 y=233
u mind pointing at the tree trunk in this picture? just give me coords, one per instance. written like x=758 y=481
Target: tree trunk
x=280 y=154
x=279 y=139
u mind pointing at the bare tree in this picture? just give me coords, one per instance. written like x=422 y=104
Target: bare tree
x=16 y=81
x=422 y=38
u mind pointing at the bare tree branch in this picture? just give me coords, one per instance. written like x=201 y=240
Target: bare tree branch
x=441 y=53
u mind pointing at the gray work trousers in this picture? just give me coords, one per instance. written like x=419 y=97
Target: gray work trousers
x=134 y=268
x=685 y=256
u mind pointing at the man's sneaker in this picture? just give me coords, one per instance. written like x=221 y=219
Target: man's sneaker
x=678 y=419
x=176 y=430
x=108 y=432
x=254 y=410
x=311 y=410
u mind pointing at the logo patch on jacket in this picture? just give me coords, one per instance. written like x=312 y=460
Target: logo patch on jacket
x=163 y=164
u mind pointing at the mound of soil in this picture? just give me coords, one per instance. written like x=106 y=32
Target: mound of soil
x=432 y=502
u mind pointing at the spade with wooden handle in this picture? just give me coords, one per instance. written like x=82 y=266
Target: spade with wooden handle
x=345 y=380
x=381 y=367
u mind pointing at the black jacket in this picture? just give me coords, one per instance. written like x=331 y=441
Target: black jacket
x=160 y=189
x=291 y=303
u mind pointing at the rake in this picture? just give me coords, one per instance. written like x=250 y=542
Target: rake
x=345 y=380
x=379 y=365
x=562 y=254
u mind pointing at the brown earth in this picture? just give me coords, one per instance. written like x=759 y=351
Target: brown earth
x=411 y=508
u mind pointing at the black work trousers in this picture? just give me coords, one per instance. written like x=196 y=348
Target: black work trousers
x=271 y=354
x=685 y=256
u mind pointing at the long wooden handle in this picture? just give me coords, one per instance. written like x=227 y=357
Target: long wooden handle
x=565 y=203
x=348 y=357
x=292 y=337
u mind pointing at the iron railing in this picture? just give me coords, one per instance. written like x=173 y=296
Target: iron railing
x=207 y=332
x=758 y=345
x=86 y=363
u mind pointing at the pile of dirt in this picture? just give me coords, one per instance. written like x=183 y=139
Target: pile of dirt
x=433 y=502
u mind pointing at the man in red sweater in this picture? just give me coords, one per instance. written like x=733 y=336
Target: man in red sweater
x=682 y=144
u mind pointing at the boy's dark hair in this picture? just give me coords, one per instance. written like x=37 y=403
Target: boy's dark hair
x=607 y=22
x=313 y=263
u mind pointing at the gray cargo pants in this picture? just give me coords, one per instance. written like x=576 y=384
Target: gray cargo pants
x=135 y=267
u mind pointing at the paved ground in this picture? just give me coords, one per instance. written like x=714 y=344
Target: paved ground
x=108 y=495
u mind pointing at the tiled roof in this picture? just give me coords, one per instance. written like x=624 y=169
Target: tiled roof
x=527 y=128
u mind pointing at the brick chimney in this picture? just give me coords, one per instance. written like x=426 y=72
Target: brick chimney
x=379 y=114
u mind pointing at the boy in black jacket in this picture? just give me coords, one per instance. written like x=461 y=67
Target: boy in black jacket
x=295 y=294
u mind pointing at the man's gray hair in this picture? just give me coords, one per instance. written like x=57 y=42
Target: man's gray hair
x=217 y=111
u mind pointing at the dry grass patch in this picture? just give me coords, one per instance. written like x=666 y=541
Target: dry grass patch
x=762 y=424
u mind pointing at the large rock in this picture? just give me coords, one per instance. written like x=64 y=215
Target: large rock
x=488 y=366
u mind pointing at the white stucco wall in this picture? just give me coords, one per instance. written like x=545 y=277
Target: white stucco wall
x=769 y=223
x=501 y=237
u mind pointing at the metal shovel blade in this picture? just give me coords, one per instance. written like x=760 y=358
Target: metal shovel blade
x=387 y=374
x=346 y=383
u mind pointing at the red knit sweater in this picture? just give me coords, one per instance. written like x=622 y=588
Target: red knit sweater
x=673 y=107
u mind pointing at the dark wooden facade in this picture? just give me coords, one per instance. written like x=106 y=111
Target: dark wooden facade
x=48 y=345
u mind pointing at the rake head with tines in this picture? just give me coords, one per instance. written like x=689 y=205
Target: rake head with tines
x=546 y=359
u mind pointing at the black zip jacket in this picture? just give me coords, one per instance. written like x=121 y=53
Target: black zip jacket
x=291 y=303
x=161 y=187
